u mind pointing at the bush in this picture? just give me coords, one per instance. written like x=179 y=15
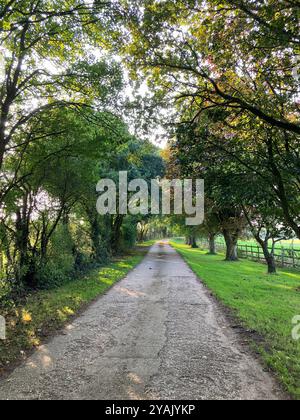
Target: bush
x=60 y=265
x=129 y=235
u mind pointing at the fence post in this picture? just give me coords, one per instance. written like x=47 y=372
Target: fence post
x=293 y=252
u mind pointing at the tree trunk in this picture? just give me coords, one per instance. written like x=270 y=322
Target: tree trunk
x=212 y=244
x=2 y=151
x=27 y=271
x=231 y=240
x=3 y=121
x=271 y=264
x=95 y=238
x=116 y=233
x=194 y=242
x=142 y=232
x=30 y=278
x=269 y=256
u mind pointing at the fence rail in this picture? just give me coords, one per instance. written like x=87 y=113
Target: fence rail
x=285 y=257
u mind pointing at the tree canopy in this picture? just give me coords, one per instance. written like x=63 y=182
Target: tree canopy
x=77 y=77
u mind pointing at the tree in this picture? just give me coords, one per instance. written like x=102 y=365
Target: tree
x=211 y=226
x=232 y=65
x=266 y=227
x=271 y=157
x=51 y=191
x=196 y=158
x=141 y=160
x=208 y=55
x=46 y=64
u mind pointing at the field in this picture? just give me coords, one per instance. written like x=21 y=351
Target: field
x=263 y=304
x=287 y=253
x=291 y=244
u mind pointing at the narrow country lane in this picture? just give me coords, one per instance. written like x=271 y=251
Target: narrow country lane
x=155 y=335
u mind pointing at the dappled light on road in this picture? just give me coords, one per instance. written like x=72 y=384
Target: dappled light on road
x=131 y=293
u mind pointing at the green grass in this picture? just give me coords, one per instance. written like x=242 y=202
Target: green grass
x=265 y=304
x=46 y=311
x=147 y=243
x=291 y=244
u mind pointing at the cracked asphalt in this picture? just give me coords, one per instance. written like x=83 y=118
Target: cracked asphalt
x=157 y=334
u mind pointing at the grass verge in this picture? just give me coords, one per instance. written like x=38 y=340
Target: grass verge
x=45 y=312
x=264 y=304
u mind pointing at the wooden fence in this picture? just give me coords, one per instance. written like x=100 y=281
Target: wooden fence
x=285 y=257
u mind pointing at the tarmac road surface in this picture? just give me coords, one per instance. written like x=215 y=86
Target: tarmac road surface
x=158 y=334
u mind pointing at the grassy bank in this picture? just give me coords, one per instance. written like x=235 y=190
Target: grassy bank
x=46 y=311
x=264 y=304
